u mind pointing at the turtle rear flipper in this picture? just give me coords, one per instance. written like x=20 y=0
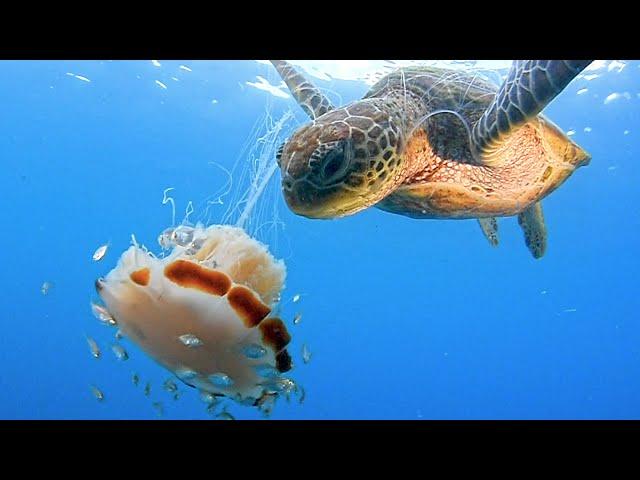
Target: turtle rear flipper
x=312 y=101
x=531 y=221
x=489 y=227
x=529 y=87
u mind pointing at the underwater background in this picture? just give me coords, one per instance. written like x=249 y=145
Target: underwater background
x=403 y=318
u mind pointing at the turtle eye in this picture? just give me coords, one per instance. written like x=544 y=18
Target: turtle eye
x=336 y=161
x=279 y=152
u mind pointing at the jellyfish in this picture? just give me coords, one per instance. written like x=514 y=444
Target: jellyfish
x=206 y=310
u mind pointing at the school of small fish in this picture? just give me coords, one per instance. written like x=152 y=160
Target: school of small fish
x=183 y=236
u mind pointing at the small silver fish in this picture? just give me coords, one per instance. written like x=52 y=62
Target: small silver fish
x=306 y=354
x=286 y=385
x=190 y=340
x=296 y=298
x=266 y=371
x=102 y=314
x=297 y=319
x=221 y=380
x=254 y=351
x=169 y=385
x=120 y=353
x=164 y=239
x=46 y=286
x=158 y=408
x=147 y=389
x=100 y=252
x=97 y=393
x=195 y=247
x=266 y=405
x=176 y=396
x=119 y=335
x=182 y=236
x=224 y=415
x=303 y=394
x=207 y=397
x=186 y=374
x=247 y=401
x=93 y=347
x=135 y=379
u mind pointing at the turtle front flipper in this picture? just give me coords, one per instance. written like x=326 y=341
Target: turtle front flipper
x=529 y=87
x=531 y=221
x=489 y=227
x=306 y=93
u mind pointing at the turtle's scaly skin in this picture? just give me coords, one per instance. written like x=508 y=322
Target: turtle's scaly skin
x=405 y=148
x=540 y=158
x=528 y=88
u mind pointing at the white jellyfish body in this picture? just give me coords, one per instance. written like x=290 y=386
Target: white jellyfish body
x=201 y=308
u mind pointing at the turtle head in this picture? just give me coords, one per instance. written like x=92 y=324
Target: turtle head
x=345 y=161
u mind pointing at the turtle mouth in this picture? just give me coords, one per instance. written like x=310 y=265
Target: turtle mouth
x=309 y=201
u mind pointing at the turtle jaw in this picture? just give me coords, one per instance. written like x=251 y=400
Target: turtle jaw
x=309 y=201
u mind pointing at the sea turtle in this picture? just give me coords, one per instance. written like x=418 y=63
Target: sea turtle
x=430 y=142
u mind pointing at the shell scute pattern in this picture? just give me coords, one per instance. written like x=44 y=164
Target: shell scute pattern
x=410 y=148
x=440 y=144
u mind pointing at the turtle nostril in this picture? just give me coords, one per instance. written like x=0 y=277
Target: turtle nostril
x=287 y=184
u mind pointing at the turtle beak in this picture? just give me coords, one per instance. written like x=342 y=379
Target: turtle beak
x=306 y=200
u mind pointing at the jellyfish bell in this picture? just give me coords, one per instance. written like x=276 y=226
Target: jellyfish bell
x=204 y=308
x=201 y=308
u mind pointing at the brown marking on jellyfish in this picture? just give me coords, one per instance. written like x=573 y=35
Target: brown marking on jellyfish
x=283 y=361
x=274 y=333
x=191 y=275
x=141 y=277
x=247 y=305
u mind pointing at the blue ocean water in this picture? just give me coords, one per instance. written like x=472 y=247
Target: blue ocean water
x=405 y=319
